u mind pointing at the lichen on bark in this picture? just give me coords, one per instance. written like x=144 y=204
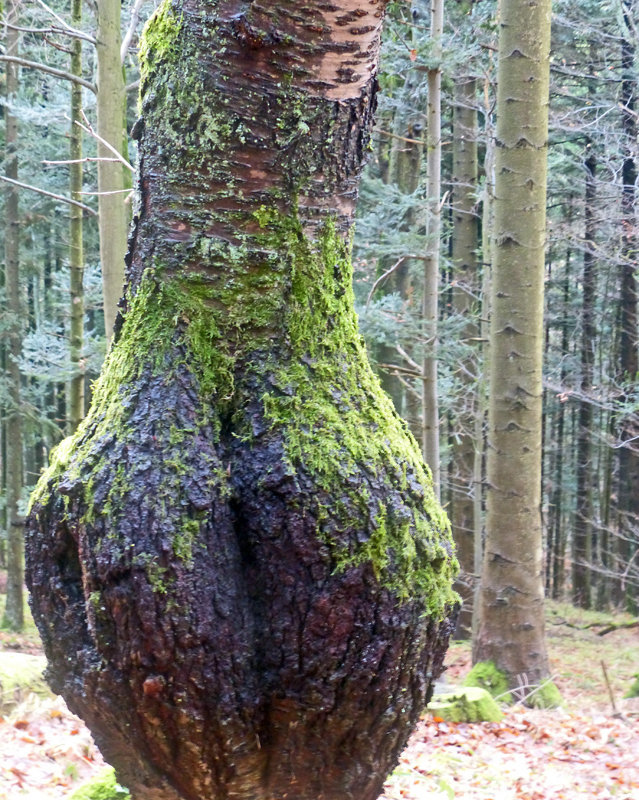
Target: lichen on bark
x=238 y=567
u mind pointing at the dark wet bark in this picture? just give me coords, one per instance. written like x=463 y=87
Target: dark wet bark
x=237 y=565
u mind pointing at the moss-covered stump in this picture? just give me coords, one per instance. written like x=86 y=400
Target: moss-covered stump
x=103 y=786
x=634 y=689
x=485 y=675
x=470 y=704
x=239 y=569
x=20 y=676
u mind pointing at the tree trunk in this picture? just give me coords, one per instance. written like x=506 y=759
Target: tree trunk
x=76 y=251
x=238 y=566
x=14 y=610
x=511 y=627
x=430 y=402
x=113 y=178
x=582 y=535
x=465 y=244
x=557 y=533
x=628 y=503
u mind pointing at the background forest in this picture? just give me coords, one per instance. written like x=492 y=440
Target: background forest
x=66 y=202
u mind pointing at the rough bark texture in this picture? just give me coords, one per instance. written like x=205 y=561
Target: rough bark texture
x=511 y=627
x=238 y=566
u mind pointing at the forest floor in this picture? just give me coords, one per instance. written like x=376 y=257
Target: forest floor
x=586 y=749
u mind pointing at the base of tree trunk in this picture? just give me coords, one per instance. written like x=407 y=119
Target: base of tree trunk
x=238 y=568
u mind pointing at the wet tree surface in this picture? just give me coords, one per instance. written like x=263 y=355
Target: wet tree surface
x=237 y=565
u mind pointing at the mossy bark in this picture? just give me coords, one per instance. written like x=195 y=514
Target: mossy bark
x=238 y=566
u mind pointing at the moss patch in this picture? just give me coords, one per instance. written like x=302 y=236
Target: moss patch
x=103 y=786
x=634 y=689
x=159 y=38
x=471 y=704
x=546 y=696
x=485 y=675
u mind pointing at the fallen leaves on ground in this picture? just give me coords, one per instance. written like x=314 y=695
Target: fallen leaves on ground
x=45 y=751
x=530 y=755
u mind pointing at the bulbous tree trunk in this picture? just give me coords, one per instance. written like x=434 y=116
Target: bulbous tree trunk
x=237 y=565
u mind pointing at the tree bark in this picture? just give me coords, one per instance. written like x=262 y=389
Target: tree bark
x=76 y=250
x=430 y=306
x=582 y=530
x=14 y=610
x=465 y=245
x=511 y=627
x=113 y=178
x=628 y=503
x=238 y=566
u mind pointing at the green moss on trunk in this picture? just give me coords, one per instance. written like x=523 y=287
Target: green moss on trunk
x=322 y=395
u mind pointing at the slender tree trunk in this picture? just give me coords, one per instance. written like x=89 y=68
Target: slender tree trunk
x=76 y=252
x=14 y=610
x=479 y=464
x=113 y=178
x=238 y=565
x=465 y=245
x=557 y=543
x=582 y=536
x=511 y=627
x=430 y=401
x=628 y=503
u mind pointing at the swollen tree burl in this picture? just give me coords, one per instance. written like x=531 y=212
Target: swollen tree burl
x=237 y=565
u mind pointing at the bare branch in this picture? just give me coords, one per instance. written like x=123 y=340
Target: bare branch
x=53 y=29
x=62 y=21
x=114 y=191
x=80 y=160
x=87 y=128
x=382 y=278
x=401 y=138
x=59 y=197
x=130 y=32
x=59 y=73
